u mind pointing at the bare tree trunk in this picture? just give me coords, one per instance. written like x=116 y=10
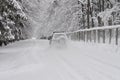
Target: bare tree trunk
x=99 y=19
x=91 y=10
x=88 y=14
x=83 y=16
x=103 y=4
x=100 y=7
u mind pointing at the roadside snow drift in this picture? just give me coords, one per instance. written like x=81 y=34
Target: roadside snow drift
x=36 y=60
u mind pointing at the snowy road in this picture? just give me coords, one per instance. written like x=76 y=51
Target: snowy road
x=35 y=60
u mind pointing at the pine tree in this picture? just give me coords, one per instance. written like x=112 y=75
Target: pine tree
x=11 y=21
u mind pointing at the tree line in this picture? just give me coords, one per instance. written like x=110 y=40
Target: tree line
x=12 y=19
x=99 y=13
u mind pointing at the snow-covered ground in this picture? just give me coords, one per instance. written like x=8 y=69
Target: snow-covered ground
x=36 y=60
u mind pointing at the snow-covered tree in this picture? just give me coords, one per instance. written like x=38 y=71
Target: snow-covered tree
x=12 y=19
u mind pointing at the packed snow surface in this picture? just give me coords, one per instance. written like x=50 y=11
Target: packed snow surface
x=35 y=60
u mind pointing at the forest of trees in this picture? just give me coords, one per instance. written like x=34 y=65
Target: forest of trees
x=70 y=15
x=100 y=12
x=12 y=19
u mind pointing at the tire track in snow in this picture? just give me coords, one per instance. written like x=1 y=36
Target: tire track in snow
x=70 y=69
x=99 y=67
